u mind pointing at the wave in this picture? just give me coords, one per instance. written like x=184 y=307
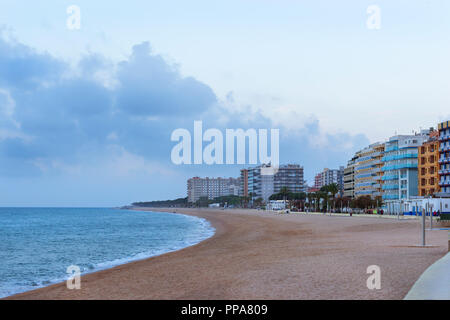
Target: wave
x=204 y=232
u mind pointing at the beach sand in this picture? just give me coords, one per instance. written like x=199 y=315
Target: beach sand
x=262 y=255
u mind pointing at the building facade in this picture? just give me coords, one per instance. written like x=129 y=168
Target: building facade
x=330 y=176
x=400 y=166
x=368 y=172
x=444 y=156
x=318 y=181
x=349 y=179
x=428 y=166
x=211 y=188
x=263 y=186
x=243 y=188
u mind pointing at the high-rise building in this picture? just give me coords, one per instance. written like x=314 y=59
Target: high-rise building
x=428 y=165
x=243 y=189
x=318 y=181
x=211 y=188
x=349 y=178
x=444 y=158
x=264 y=185
x=400 y=166
x=368 y=172
x=330 y=176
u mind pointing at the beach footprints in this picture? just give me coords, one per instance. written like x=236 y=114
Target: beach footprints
x=374 y=280
x=74 y=280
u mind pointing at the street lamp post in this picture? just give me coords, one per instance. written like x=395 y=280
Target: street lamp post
x=423 y=227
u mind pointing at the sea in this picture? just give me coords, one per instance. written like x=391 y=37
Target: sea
x=37 y=245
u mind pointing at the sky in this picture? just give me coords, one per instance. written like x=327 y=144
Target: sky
x=86 y=114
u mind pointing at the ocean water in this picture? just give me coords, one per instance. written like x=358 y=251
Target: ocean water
x=38 y=244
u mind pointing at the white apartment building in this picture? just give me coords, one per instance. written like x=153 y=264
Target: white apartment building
x=211 y=188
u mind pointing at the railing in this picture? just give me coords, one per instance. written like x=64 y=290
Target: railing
x=362 y=176
x=391 y=149
x=399 y=166
x=391 y=177
x=390 y=187
x=400 y=156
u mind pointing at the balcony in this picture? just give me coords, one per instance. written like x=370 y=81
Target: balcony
x=390 y=187
x=390 y=196
x=444 y=171
x=445 y=183
x=444 y=160
x=393 y=148
x=391 y=177
x=444 y=148
x=400 y=156
x=400 y=166
x=444 y=137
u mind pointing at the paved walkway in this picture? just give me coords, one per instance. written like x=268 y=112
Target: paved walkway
x=434 y=283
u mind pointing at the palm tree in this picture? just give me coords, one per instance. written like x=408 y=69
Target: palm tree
x=330 y=189
x=284 y=191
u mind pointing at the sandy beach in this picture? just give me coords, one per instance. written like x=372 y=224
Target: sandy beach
x=262 y=255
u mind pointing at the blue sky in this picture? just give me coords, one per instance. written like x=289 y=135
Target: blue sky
x=86 y=115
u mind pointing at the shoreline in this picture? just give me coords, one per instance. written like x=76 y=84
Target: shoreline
x=128 y=259
x=262 y=255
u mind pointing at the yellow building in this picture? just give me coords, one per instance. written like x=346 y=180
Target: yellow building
x=428 y=165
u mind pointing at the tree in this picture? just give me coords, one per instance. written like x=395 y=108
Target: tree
x=362 y=202
x=284 y=191
x=330 y=189
x=259 y=202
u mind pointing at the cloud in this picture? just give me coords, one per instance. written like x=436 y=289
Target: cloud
x=151 y=87
x=24 y=68
x=118 y=117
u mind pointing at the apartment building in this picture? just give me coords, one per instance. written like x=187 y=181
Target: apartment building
x=318 y=181
x=349 y=179
x=444 y=156
x=400 y=166
x=368 y=172
x=263 y=186
x=428 y=165
x=330 y=176
x=243 y=187
x=211 y=188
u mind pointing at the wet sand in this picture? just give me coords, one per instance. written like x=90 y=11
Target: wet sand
x=262 y=255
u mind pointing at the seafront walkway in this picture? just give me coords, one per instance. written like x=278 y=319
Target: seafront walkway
x=434 y=283
x=361 y=215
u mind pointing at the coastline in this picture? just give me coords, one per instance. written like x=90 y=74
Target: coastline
x=261 y=255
